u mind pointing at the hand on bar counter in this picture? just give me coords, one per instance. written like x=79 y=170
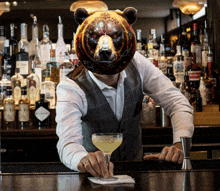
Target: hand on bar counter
x=95 y=164
x=172 y=153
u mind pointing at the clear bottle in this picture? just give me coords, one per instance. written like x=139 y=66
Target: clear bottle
x=34 y=40
x=170 y=71
x=203 y=91
x=72 y=54
x=9 y=112
x=13 y=48
x=138 y=43
x=162 y=65
x=24 y=43
x=22 y=62
x=45 y=46
x=37 y=66
x=33 y=87
x=17 y=82
x=178 y=66
x=24 y=110
x=54 y=68
x=2 y=39
x=155 y=47
x=60 y=45
x=205 y=51
x=48 y=88
x=66 y=67
x=42 y=112
x=6 y=60
x=150 y=48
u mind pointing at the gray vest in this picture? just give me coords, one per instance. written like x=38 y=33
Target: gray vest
x=101 y=119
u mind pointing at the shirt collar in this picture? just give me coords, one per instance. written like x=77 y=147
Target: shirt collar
x=102 y=85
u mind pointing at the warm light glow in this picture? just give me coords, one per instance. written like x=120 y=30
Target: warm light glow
x=190 y=8
x=4 y=7
x=89 y=5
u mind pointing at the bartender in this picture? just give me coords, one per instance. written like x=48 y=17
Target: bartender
x=105 y=93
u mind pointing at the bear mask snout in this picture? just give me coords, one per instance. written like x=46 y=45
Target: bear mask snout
x=105 y=54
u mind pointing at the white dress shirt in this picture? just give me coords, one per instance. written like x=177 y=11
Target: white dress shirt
x=72 y=105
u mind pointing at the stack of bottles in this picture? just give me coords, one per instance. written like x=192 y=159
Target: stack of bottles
x=189 y=67
x=30 y=72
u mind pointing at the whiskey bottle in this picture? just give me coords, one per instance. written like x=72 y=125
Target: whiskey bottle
x=48 y=88
x=22 y=61
x=6 y=60
x=66 y=67
x=45 y=46
x=60 y=45
x=17 y=81
x=9 y=111
x=54 y=68
x=24 y=43
x=24 y=109
x=42 y=112
x=205 y=51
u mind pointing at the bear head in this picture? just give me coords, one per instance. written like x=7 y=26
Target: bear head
x=105 y=42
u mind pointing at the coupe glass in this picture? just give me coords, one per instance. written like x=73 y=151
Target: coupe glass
x=107 y=143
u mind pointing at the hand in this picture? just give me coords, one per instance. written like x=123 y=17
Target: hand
x=95 y=164
x=173 y=153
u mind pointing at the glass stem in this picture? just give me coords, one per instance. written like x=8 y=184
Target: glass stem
x=107 y=160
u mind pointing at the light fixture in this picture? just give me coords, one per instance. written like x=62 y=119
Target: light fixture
x=89 y=5
x=4 y=7
x=189 y=7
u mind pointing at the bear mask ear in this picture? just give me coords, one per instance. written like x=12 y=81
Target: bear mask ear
x=130 y=14
x=80 y=15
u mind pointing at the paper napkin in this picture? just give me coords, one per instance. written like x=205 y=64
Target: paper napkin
x=122 y=179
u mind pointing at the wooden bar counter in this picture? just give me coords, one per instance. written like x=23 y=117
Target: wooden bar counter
x=148 y=175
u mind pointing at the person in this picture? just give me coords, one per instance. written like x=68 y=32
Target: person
x=101 y=98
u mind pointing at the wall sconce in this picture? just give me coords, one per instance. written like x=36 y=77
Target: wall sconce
x=89 y=5
x=189 y=7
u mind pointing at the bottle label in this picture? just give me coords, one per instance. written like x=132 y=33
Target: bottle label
x=55 y=74
x=194 y=75
x=64 y=72
x=23 y=113
x=17 y=91
x=38 y=72
x=32 y=91
x=41 y=113
x=209 y=58
x=179 y=71
x=204 y=58
x=187 y=61
x=23 y=65
x=203 y=95
x=9 y=112
x=198 y=54
x=45 y=53
x=192 y=48
x=155 y=54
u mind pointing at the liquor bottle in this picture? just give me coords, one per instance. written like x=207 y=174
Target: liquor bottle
x=205 y=51
x=48 y=88
x=37 y=66
x=66 y=67
x=185 y=47
x=198 y=102
x=17 y=81
x=33 y=86
x=45 y=46
x=4 y=84
x=187 y=92
x=13 y=48
x=138 y=43
x=170 y=71
x=196 y=46
x=6 y=60
x=42 y=112
x=60 y=45
x=34 y=40
x=178 y=66
x=72 y=54
x=203 y=91
x=22 y=61
x=155 y=47
x=54 y=68
x=24 y=43
x=2 y=39
x=24 y=109
x=162 y=65
x=150 y=49
x=9 y=110
x=209 y=62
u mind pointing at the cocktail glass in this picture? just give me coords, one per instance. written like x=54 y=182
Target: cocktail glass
x=107 y=143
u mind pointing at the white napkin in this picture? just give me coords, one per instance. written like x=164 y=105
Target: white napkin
x=122 y=179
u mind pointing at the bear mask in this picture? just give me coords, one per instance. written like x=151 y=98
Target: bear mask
x=105 y=42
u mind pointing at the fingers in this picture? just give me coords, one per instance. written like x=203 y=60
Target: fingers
x=171 y=154
x=102 y=164
x=111 y=169
x=152 y=157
